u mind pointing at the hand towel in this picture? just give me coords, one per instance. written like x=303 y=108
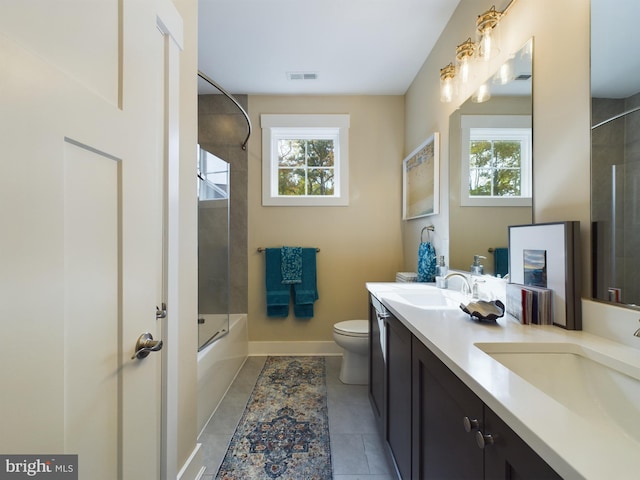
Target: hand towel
x=426 y=262
x=306 y=292
x=291 y=265
x=278 y=294
x=501 y=261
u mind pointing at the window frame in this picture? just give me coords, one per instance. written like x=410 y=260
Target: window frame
x=278 y=126
x=507 y=127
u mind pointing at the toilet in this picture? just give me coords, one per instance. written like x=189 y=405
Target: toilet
x=353 y=337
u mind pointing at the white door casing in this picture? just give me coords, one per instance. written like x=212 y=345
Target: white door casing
x=85 y=132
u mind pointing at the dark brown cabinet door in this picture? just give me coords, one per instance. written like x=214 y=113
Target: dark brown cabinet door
x=399 y=394
x=442 y=449
x=508 y=457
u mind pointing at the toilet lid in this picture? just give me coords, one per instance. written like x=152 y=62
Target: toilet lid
x=353 y=328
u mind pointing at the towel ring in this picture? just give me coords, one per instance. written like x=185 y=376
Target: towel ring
x=428 y=228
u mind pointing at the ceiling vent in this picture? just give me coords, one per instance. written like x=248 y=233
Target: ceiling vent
x=302 y=75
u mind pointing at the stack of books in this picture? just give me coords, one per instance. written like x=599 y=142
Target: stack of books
x=530 y=304
x=406 y=276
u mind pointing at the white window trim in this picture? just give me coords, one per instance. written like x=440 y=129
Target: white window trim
x=336 y=126
x=469 y=122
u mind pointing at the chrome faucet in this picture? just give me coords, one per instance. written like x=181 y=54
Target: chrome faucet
x=467 y=290
x=637 y=332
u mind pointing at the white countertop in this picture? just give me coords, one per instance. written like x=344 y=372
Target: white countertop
x=574 y=446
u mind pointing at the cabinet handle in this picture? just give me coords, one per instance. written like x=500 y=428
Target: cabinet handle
x=470 y=424
x=484 y=439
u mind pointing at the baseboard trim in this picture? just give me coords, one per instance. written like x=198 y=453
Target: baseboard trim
x=294 y=348
x=193 y=469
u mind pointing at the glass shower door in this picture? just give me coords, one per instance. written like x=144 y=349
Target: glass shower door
x=213 y=248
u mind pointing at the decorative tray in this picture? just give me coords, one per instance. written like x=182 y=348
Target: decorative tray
x=484 y=311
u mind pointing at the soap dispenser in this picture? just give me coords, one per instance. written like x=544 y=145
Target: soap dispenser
x=441 y=268
x=476 y=267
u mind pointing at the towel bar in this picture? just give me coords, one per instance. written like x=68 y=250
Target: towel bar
x=262 y=249
x=428 y=228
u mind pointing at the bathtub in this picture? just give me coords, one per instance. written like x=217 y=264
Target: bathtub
x=218 y=364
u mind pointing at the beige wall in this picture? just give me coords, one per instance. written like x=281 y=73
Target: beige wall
x=561 y=110
x=358 y=243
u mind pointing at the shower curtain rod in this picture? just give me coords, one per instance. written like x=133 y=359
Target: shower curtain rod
x=615 y=117
x=230 y=97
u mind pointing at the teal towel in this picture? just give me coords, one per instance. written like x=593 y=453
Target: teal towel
x=306 y=292
x=426 y=262
x=278 y=294
x=501 y=261
x=291 y=265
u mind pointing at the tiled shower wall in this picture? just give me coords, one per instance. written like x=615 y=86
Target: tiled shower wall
x=221 y=131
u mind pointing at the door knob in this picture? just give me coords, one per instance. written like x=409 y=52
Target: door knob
x=145 y=345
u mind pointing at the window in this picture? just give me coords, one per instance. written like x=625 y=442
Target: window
x=496 y=160
x=305 y=160
x=213 y=176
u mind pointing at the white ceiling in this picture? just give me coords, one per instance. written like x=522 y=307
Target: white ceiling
x=372 y=47
x=368 y=46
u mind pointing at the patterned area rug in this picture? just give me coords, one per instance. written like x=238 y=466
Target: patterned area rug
x=284 y=431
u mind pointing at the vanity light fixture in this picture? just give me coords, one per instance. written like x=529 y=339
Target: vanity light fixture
x=447 y=75
x=482 y=94
x=464 y=56
x=485 y=24
x=505 y=74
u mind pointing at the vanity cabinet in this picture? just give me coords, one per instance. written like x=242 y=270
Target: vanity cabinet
x=456 y=436
x=434 y=425
x=376 y=368
x=398 y=420
x=441 y=448
x=390 y=382
x=509 y=456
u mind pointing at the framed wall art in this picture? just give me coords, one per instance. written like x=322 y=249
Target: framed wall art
x=420 y=180
x=548 y=255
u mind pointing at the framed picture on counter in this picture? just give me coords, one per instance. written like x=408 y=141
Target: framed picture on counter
x=548 y=255
x=420 y=180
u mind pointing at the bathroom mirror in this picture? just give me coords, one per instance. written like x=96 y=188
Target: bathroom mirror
x=480 y=226
x=615 y=152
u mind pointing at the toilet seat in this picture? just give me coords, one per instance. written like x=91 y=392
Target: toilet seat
x=352 y=328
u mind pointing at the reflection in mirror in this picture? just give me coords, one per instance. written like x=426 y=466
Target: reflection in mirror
x=213 y=248
x=615 y=152
x=490 y=167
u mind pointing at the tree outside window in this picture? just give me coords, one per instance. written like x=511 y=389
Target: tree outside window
x=495 y=168
x=306 y=167
x=496 y=160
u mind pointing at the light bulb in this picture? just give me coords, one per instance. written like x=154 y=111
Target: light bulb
x=505 y=73
x=481 y=95
x=447 y=74
x=464 y=54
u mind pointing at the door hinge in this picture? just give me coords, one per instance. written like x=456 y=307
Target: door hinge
x=161 y=312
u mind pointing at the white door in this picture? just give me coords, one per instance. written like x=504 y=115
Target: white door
x=84 y=138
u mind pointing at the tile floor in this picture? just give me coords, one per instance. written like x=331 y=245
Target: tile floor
x=357 y=452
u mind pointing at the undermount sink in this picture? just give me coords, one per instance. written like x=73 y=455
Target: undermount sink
x=600 y=388
x=431 y=298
